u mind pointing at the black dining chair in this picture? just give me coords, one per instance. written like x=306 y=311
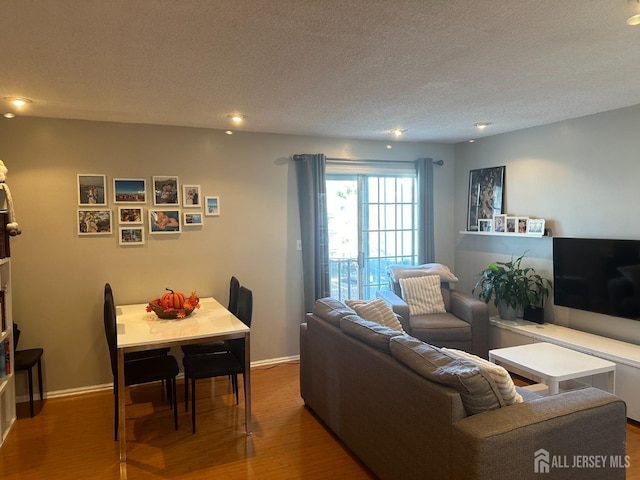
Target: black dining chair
x=214 y=347
x=24 y=361
x=155 y=352
x=143 y=370
x=211 y=365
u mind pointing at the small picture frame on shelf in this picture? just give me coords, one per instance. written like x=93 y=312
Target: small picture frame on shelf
x=131 y=236
x=499 y=223
x=130 y=215
x=94 y=222
x=521 y=223
x=485 y=225
x=535 y=226
x=511 y=225
x=192 y=218
x=129 y=190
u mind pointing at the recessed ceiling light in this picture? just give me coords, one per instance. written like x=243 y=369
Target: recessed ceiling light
x=633 y=20
x=398 y=132
x=389 y=147
x=482 y=125
x=229 y=132
x=236 y=117
x=17 y=101
x=9 y=115
x=472 y=141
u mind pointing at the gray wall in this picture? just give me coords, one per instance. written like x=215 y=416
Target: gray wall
x=581 y=175
x=58 y=277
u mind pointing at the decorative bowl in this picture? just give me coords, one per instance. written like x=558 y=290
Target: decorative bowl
x=171 y=314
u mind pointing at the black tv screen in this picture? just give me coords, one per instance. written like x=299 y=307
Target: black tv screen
x=597 y=275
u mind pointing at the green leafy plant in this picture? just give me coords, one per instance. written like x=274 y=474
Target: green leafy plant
x=513 y=284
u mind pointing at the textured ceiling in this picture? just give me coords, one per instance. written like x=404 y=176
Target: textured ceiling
x=348 y=68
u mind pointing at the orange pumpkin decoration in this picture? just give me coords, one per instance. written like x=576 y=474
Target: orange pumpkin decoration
x=172 y=300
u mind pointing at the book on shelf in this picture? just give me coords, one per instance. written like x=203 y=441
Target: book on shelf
x=3 y=317
x=3 y=359
x=7 y=356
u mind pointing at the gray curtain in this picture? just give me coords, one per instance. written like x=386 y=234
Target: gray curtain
x=312 y=201
x=426 y=242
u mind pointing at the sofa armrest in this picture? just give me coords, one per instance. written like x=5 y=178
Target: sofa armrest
x=398 y=305
x=476 y=313
x=502 y=443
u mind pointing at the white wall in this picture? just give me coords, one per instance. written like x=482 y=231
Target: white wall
x=58 y=277
x=581 y=175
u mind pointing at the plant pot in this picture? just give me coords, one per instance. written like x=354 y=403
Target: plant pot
x=506 y=311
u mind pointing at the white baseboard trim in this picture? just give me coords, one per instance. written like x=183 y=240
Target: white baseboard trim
x=109 y=386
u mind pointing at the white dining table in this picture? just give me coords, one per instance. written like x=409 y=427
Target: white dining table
x=139 y=330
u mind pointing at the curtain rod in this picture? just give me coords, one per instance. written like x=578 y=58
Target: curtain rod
x=435 y=162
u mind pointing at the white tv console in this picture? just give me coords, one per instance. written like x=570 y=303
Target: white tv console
x=626 y=356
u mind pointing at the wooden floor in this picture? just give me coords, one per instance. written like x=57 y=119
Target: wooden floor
x=72 y=437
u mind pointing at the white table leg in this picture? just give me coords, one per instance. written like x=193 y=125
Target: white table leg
x=247 y=383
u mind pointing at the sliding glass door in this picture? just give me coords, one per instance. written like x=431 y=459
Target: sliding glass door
x=372 y=224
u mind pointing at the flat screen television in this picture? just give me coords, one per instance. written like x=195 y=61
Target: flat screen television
x=597 y=275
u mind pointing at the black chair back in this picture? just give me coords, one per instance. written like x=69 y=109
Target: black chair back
x=234 y=287
x=245 y=306
x=16 y=336
x=110 y=331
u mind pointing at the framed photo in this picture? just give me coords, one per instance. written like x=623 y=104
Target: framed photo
x=192 y=218
x=164 y=221
x=191 y=196
x=485 y=195
x=92 y=190
x=130 y=215
x=485 y=225
x=212 y=206
x=94 y=222
x=500 y=223
x=165 y=191
x=512 y=225
x=522 y=224
x=131 y=236
x=535 y=226
x=129 y=190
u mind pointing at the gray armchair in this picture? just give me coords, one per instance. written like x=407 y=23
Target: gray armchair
x=464 y=326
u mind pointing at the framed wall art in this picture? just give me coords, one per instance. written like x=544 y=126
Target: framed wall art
x=486 y=190
x=511 y=225
x=131 y=236
x=165 y=191
x=164 y=221
x=92 y=189
x=130 y=215
x=191 y=196
x=212 y=206
x=94 y=222
x=129 y=190
x=192 y=218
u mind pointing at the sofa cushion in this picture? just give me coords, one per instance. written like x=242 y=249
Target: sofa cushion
x=440 y=327
x=376 y=310
x=500 y=376
x=423 y=294
x=371 y=333
x=477 y=389
x=331 y=310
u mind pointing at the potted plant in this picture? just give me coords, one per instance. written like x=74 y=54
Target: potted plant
x=512 y=287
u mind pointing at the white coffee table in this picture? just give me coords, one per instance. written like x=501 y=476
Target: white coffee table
x=552 y=364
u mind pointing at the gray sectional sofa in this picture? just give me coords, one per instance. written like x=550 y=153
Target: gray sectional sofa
x=365 y=382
